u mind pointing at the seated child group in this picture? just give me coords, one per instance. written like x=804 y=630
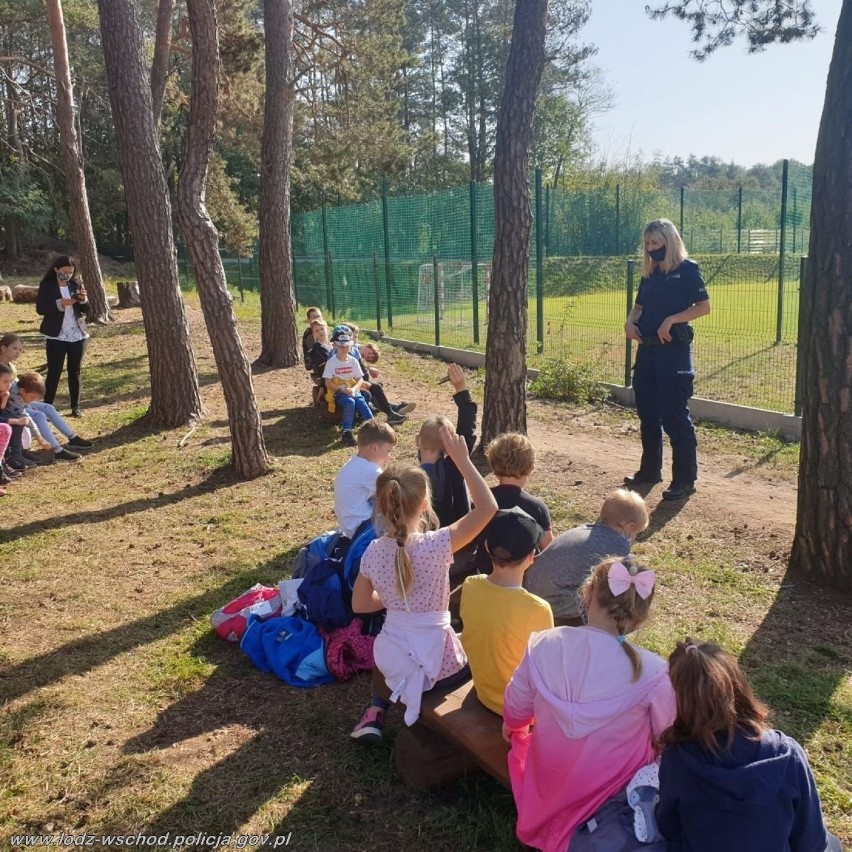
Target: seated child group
x=611 y=746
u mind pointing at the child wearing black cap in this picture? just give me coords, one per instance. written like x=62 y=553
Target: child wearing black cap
x=499 y=615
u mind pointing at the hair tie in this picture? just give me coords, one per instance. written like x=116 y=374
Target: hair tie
x=620 y=639
x=691 y=648
x=620 y=580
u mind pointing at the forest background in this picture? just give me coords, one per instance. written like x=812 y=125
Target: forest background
x=400 y=93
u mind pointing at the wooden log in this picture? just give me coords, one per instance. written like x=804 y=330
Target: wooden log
x=24 y=293
x=128 y=294
x=425 y=760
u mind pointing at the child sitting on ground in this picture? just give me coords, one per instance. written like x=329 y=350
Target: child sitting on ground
x=41 y=414
x=499 y=615
x=28 y=391
x=13 y=416
x=512 y=460
x=374 y=391
x=558 y=572
x=317 y=358
x=343 y=380
x=450 y=499
x=406 y=571
x=599 y=703
x=355 y=484
x=728 y=780
x=308 y=338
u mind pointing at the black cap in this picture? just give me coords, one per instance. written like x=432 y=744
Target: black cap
x=511 y=535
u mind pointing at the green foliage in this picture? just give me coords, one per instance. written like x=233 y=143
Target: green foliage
x=566 y=381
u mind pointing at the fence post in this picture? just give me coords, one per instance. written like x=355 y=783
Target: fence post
x=779 y=322
x=794 y=218
x=378 y=292
x=539 y=267
x=681 y=211
x=547 y=221
x=739 y=220
x=329 y=271
x=437 y=299
x=617 y=218
x=800 y=378
x=474 y=262
x=386 y=234
x=240 y=275
x=326 y=256
x=628 y=349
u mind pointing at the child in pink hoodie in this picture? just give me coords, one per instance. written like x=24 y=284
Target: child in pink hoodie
x=598 y=702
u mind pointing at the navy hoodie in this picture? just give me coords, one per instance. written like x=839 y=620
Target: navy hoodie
x=757 y=796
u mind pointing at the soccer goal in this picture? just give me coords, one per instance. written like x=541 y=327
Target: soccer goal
x=455 y=291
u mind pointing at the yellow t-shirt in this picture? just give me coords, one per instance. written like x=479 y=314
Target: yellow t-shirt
x=498 y=622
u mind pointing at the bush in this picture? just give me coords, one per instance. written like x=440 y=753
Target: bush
x=568 y=382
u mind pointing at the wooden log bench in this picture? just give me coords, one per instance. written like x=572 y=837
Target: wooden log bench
x=455 y=735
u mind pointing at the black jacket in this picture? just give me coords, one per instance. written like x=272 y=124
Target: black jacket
x=46 y=305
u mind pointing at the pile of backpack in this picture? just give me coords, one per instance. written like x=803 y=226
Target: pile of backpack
x=304 y=631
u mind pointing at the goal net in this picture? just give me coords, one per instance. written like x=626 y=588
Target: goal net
x=455 y=291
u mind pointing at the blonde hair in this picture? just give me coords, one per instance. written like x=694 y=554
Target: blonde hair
x=623 y=507
x=627 y=610
x=374 y=432
x=429 y=437
x=676 y=252
x=400 y=494
x=511 y=455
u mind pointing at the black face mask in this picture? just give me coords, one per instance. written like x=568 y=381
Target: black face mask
x=657 y=254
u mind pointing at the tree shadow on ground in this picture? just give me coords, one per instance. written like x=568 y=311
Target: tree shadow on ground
x=800 y=655
x=83 y=655
x=221 y=478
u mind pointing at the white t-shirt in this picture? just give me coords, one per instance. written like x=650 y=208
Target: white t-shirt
x=348 y=370
x=72 y=329
x=354 y=493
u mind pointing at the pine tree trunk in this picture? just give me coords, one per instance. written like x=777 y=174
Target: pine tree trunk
x=160 y=63
x=11 y=224
x=249 y=457
x=174 y=380
x=72 y=165
x=279 y=343
x=505 y=407
x=822 y=547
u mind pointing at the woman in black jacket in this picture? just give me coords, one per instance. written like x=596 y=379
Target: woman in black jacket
x=62 y=301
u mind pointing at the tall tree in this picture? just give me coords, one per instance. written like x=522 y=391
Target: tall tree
x=279 y=345
x=160 y=63
x=822 y=545
x=174 y=379
x=72 y=165
x=248 y=453
x=505 y=407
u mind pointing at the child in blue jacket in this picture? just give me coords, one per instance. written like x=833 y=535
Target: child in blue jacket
x=728 y=780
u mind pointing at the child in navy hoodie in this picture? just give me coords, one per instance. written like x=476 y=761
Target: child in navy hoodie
x=728 y=780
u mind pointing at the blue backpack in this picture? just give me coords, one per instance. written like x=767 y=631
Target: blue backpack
x=326 y=590
x=289 y=647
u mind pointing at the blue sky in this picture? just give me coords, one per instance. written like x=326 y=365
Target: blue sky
x=747 y=108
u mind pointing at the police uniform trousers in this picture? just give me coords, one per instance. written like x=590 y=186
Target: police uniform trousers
x=663 y=378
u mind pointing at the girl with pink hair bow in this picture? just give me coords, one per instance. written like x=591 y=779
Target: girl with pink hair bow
x=598 y=704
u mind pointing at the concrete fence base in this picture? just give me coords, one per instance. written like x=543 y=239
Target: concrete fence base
x=788 y=426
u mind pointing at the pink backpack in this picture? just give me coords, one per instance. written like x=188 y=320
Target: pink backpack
x=231 y=620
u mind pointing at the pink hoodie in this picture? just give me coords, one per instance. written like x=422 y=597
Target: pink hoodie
x=594 y=728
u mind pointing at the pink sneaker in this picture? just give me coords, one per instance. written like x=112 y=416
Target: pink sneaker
x=369 y=729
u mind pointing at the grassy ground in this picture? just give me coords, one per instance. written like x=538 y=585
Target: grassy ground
x=123 y=713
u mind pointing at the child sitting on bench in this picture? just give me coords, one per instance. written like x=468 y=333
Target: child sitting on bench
x=343 y=380
x=499 y=615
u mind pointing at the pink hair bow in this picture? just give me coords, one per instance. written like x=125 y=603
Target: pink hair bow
x=620 y=580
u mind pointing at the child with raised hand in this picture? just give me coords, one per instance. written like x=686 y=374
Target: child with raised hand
x=41 y=414
x=727 y=779
x=406 y=572
x=599 y=703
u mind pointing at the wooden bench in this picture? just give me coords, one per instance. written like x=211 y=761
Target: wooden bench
x=454 y=736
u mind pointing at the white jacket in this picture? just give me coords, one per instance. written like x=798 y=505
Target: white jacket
x=408 y=652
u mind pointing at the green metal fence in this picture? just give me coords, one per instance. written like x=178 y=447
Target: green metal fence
x=418 y=267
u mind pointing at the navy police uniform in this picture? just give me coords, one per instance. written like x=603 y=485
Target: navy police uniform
x=663 y=374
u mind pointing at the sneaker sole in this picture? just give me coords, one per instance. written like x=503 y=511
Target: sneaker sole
x=406 y=409
x=368 y=736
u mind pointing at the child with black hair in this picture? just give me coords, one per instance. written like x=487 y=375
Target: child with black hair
x=727 y=779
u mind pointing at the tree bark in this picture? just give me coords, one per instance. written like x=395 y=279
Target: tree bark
x=11 y=224
x=249 y=457
x=72 y=165
x=160 y=63
x=174 y=380
x=822 y=546
x=279 y=343
x=505 y=407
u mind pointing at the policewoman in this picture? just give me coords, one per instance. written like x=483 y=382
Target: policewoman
x=671 y=295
